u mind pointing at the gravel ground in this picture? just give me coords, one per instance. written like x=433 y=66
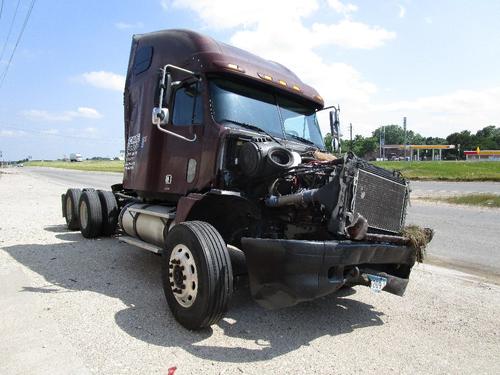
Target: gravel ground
x=70 y=305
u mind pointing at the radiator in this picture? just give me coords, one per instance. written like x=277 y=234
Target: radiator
x=381 y=200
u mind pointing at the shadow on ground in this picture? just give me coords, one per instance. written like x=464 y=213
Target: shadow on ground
x=133 y=275
x=60 y=228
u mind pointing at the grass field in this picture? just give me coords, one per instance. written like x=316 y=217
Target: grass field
x=446 y=170
x=484 y=200
x=87 y=165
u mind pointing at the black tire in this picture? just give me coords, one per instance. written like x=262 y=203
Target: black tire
x=213 y=270
x=70 y=210
x=109 y=212
x=90 y=214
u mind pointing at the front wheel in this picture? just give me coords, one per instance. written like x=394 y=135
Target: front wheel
x=197 y=274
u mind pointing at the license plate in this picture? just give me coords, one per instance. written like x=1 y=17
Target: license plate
x=377 y=283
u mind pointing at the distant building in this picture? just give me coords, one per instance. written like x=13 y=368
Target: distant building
x=397 y=152
x=483 y=155
x=121 y=156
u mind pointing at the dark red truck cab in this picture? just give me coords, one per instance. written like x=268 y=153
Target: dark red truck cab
x=227 y=175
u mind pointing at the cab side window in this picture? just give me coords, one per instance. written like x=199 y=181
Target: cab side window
x=143 y=58
x=188 y=106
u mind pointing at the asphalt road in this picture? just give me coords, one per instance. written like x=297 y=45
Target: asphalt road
x=69 y=178
x=466 y=238
x=447 y=188
x=74 y=306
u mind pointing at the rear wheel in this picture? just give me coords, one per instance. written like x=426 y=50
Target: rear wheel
x=197 y=274
x=90 y=214
x=109 y=212
x=70 y=210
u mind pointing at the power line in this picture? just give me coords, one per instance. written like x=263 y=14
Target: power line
x=1 y=10
x=17 y=42
x=10 y=30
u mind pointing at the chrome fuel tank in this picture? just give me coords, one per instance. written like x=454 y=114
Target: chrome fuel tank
x=147 y=222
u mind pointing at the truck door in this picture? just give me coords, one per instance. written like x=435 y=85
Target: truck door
x=181 y=158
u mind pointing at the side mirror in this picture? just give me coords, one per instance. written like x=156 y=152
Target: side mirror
x=335 y=131
x=333 y=120
x=160 y=116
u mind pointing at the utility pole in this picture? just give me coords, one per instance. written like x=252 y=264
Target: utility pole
x=382 y=142
x=405 y=141
x=350 y=136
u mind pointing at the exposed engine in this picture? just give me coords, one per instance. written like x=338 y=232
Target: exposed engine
x=309 y=195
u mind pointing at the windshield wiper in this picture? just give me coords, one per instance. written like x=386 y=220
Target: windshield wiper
x=252 y=127
x=301 y=139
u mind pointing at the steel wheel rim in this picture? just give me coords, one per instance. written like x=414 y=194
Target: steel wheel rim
x=183 y=275
x=83 y=215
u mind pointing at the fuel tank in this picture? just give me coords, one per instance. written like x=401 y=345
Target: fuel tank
x=147 y=222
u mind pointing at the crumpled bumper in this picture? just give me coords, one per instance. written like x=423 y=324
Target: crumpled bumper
x=285 y=272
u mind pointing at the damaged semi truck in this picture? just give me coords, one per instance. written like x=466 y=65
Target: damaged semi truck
x=227 y=177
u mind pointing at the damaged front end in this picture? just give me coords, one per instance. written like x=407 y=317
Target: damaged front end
x=334 y=223
x=285 y=272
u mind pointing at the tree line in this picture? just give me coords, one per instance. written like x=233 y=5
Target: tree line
x=487 y=138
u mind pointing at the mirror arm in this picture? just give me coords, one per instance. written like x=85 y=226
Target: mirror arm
x=175 y=134
x=329 y=107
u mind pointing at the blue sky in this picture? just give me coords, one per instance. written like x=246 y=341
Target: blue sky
x=436 y=62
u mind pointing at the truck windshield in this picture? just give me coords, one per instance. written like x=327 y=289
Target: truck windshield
x=275 y=114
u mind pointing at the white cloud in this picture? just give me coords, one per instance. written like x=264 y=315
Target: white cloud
x=340 y=7
x=402 y=11
x=104 y=80
x=428 y=20
x=352 y=34
x=62 y=116
x=332 y=80
x=126 y=25
x=87 y=112
x=223 y=14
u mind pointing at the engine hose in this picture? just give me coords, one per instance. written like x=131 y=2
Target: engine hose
x=303 y=198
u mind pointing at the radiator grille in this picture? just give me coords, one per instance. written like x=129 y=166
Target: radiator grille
x=381 y=201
